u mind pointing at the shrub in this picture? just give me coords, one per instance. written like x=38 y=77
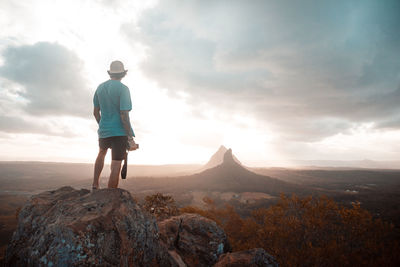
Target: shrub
x=161 y=206
x=310 y=231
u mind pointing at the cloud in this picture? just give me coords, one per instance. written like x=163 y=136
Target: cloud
x=308 y=69
x=52 y=78
x=18 y=125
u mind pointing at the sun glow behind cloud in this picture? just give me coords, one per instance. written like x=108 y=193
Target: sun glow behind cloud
x=253 y=100
x=164 y=125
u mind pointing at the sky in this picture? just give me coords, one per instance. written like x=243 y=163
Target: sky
x=276 y=81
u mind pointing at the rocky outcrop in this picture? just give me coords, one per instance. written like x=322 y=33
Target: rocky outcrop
x=69 y=227
x=193 y=239
x=256 y=257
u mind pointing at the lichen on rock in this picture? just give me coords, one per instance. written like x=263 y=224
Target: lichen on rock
x=69 y=227
x=197 y=240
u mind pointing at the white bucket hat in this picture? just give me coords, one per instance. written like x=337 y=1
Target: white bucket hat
x=116 y=67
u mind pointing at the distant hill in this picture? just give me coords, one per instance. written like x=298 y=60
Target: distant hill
x=346 y=164
x=232 y=176
x=217 y=158
x=229 y=176
x=335 y=178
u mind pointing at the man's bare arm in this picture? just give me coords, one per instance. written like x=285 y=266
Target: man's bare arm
x=96 y=113
x=126 y=123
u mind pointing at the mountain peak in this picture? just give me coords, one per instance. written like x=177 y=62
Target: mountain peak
x=218 y=158
x=222 y=148
x=228 y=157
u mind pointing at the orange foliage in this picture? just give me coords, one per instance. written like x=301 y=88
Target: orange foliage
x=309 y=232
x=161 y=206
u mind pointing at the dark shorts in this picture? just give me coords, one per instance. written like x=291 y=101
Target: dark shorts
x=117 y=144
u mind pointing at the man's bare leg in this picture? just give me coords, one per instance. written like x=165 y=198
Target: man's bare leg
x=98 y=167
x=114 y=175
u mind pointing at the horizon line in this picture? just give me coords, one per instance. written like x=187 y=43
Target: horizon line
x=265 y=166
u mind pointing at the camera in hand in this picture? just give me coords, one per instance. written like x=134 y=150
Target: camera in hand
x=132 y=145
x=136 y=146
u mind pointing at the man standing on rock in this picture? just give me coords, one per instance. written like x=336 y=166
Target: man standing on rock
x=112 y=103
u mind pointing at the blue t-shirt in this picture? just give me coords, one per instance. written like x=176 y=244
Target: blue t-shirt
x=112 y=96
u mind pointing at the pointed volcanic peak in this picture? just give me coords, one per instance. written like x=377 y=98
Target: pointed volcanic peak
x=218 y=158
x=228 y=157
x=231 y=176
x=231 y=164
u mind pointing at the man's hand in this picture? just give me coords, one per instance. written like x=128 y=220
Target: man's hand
x=128 y=129
x=96 y=113
x=132 y=145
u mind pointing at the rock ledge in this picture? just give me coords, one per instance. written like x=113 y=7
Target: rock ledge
x=68 y=227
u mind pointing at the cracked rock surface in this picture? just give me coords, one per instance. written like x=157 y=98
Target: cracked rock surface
x=69 y=227
x=193 y=240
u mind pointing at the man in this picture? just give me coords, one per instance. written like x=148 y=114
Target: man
x=112 y=103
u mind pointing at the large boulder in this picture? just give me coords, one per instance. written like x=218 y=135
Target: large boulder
x=69 y=227
x=193 y=240
x=256 y=257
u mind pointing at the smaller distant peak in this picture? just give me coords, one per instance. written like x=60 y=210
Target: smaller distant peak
x=219 y=158
x=228 y=157
x=222 y=148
